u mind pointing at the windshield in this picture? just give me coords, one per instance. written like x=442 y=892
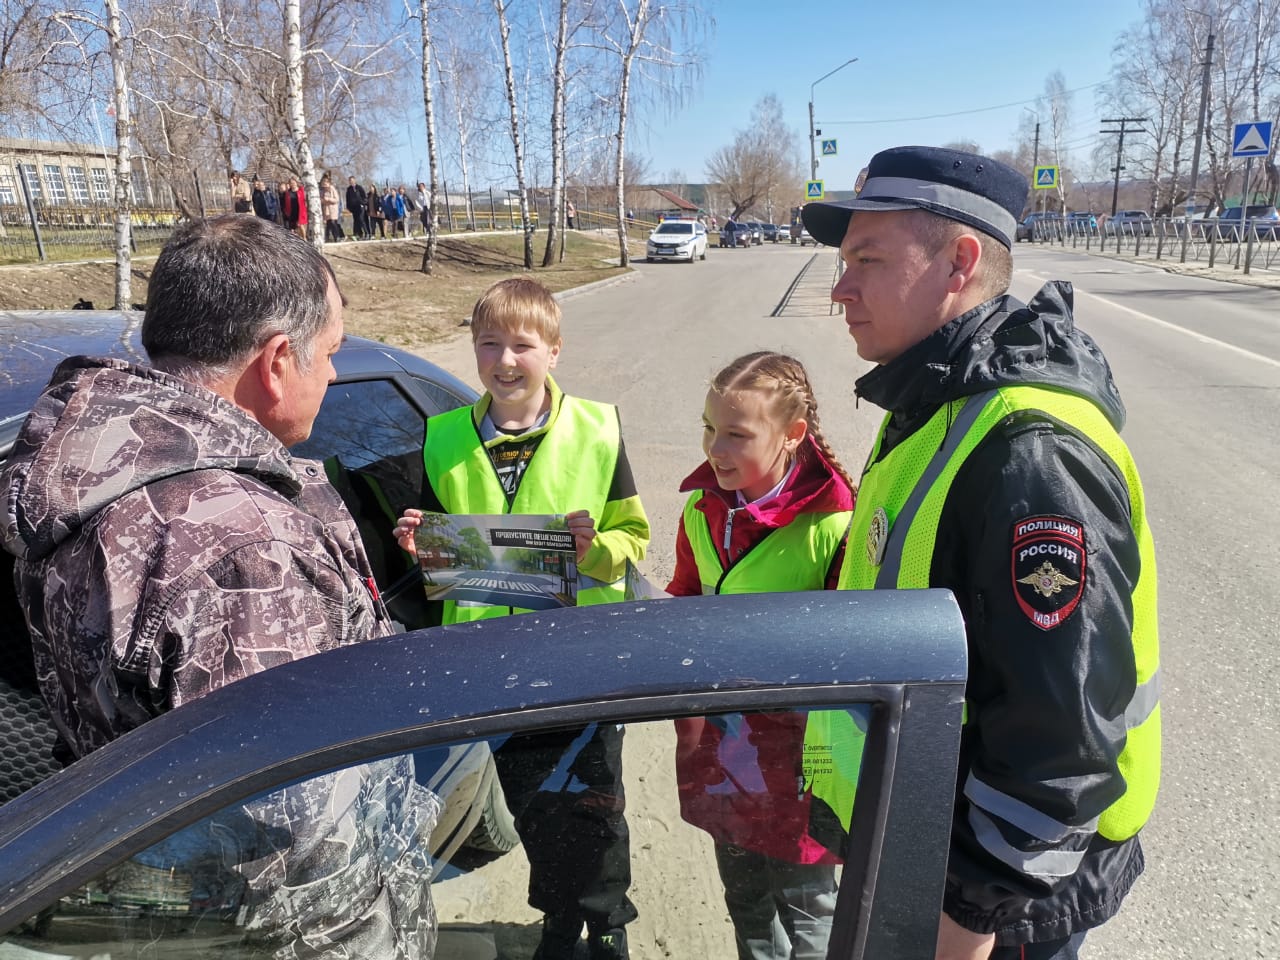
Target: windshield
x=674 y=228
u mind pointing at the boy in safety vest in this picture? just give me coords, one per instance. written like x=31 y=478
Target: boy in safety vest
x=527 y=448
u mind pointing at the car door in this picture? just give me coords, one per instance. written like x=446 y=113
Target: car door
x=187 y=837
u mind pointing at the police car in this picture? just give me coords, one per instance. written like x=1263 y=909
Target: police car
x=677 y=240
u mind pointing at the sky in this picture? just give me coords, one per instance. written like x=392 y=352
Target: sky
x=983 y=64
x=927 y=72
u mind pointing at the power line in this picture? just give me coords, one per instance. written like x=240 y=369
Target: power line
x=959 y=113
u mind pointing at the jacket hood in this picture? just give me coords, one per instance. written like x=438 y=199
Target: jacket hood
x=1002 y=342
x=816 y=488
x=103 y=428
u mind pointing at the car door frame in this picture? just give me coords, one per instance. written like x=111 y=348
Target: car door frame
x=902 y=651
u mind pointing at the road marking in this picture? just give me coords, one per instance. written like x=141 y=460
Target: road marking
x=1194 y=335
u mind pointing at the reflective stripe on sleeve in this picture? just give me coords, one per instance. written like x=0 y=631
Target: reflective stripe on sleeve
x=1022 y=815
x=1043 y=864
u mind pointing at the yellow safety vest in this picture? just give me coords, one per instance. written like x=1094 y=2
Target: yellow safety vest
x=572 y=469
x=908 y=489
x=794 y=557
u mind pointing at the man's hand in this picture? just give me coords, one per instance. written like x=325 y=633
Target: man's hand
x=957 y=943
x=583 y=529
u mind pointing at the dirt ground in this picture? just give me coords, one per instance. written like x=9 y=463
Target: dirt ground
x=389 y=298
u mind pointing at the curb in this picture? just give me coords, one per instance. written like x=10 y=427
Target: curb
x=594 y=285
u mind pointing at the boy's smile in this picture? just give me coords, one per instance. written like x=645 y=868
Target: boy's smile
x=513 y=366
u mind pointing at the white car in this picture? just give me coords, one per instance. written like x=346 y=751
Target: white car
x=677 y=240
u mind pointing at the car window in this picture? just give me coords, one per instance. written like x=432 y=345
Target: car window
x=657 y=817
x=362 y=422
x=675 y=228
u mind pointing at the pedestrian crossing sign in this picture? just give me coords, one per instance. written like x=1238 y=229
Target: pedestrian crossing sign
x=1252 y=139
x=828 y=148
x=813 y=190
x=1046 y=178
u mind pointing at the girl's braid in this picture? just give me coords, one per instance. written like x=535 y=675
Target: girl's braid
x=785 y=381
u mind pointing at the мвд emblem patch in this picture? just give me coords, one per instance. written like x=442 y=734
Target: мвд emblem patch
x=1048 y=568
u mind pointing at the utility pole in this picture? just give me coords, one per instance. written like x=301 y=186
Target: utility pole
x=1204 y=105
x=1115 y=191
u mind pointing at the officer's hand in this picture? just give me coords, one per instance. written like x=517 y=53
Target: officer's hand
x=583 y=529
x=404 y=529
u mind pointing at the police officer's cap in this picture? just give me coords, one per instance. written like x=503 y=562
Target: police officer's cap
x=974 y=190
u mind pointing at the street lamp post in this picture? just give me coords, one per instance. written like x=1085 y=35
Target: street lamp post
x=813 y=155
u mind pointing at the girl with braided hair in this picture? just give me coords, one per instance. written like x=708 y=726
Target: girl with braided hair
x=768 y=510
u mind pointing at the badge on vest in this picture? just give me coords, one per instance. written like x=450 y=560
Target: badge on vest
x=1048 y=568
x=877 y=537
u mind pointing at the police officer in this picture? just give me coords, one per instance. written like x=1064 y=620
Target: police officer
x=999 y=474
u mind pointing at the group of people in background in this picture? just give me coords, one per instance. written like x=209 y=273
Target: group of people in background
x=388 y=211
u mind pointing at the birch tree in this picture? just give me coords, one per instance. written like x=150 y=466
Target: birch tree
x=433 y=164
x=517 y=138
x=298 y=120
x=557 y=132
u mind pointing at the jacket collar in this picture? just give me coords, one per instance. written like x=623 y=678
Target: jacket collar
x=481 y=407
x=1001 y=342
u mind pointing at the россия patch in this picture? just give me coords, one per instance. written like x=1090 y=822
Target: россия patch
x=1048 y=560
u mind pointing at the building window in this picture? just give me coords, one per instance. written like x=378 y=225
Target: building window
x=8 y=187
x=53 y=180
x=28 y=172
x=101 y=185
x=78 y=183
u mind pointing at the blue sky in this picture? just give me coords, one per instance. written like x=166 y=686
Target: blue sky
x=915 y=59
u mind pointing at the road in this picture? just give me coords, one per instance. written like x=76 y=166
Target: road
x=1198 y=365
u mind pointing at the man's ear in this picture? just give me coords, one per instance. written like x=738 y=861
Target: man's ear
x=272 y=366
x=966 y=254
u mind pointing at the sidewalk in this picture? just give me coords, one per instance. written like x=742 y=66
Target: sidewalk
x=1222 y=270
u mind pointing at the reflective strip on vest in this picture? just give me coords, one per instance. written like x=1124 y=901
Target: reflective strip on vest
x=794 y=557
x=910 y=484
x=572 y=469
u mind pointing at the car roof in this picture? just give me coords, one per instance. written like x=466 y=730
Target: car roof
x=33 y=342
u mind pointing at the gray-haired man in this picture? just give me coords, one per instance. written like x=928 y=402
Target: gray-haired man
x=168 y=544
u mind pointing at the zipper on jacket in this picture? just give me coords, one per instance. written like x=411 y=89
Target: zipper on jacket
x=728 y=532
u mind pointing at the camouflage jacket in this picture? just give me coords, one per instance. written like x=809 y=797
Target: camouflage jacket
x=168 y=545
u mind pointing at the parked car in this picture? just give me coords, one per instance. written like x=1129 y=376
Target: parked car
x=1129 y=223
x=1027 y=229
x=677 y=240
x=1081 y=222
x=148 y=845
x=369 y=431
x=757 y=231
x=734 y=233
x=1262 y=218
x=769 y=231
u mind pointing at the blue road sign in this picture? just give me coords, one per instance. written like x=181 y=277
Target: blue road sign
x=1252 y=139
x=828 y=148
x=813 y=190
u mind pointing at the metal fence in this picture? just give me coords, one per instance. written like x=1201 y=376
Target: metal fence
x=1249 y=246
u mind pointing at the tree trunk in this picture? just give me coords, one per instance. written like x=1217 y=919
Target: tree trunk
x=433 y=165
x=557 y=137
x=298 y=121
x=124 y=169
x=466 y=170
x=636 y=32
x=517 y=142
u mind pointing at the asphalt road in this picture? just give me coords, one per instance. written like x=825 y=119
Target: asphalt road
x=1198 y=364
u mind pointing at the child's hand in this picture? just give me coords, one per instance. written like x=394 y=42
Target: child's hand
x=583 y=529
x=404 y=529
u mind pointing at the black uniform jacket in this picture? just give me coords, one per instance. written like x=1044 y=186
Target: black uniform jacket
x=1046 y=706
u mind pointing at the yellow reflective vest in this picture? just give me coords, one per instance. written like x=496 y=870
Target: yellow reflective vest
x=895 y=525
x=572 y=467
